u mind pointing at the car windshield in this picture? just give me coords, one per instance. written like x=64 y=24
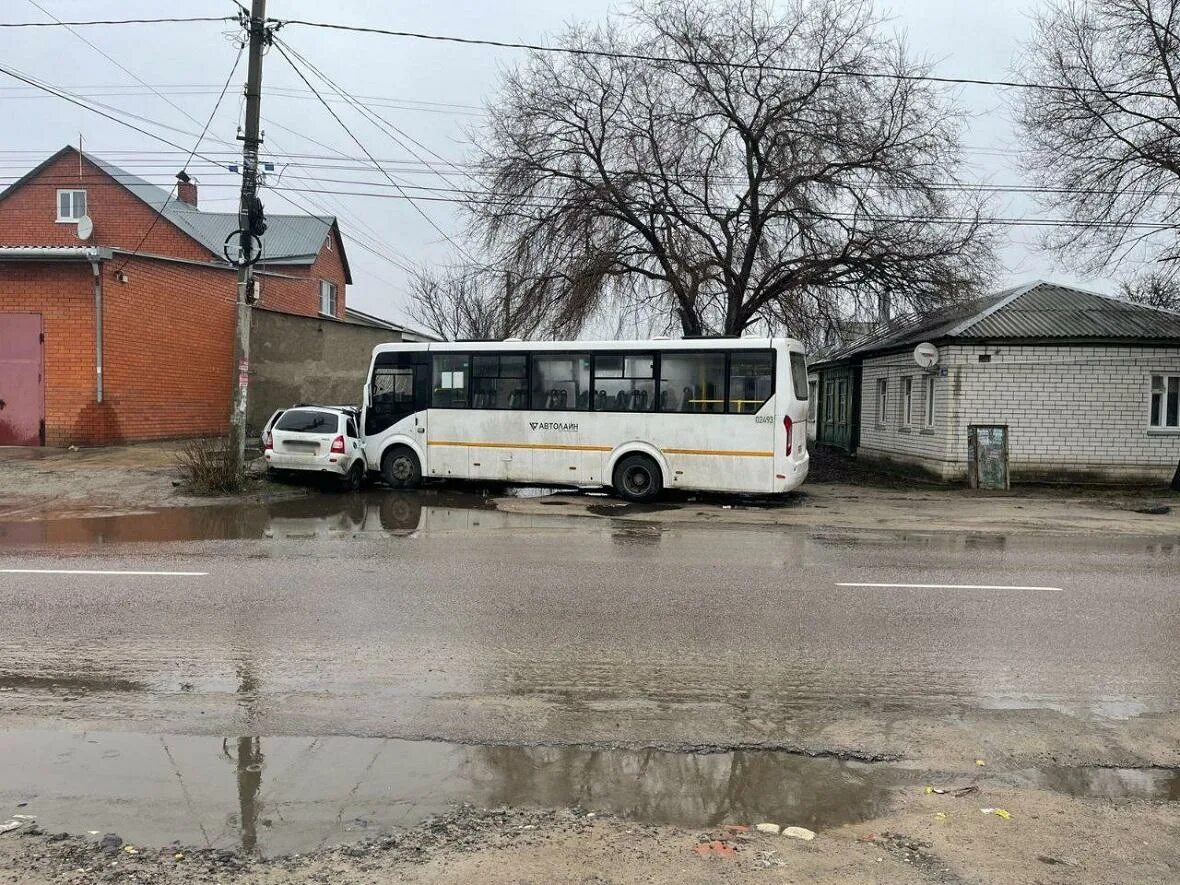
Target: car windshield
x=308 y=421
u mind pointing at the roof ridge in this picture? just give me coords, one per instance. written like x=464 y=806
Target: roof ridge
x=1003 y=302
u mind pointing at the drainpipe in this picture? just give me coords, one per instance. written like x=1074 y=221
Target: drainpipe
x=96 y=268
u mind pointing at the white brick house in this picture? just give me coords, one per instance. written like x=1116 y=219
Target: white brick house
x=1086 y=386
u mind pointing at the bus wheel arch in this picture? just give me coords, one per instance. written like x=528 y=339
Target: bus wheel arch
x=401 y=466
x=637 y=475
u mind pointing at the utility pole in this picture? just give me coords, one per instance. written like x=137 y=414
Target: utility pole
x=251 y=226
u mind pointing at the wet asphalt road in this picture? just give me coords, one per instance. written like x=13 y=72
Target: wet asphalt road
x=434 y=616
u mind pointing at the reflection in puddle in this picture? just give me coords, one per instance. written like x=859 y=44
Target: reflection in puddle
x=278 y=795
x=283 y=794
x=317 y=516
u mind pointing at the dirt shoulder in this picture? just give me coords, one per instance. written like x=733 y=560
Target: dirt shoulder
x=844 y=506
x=49 y=483
x=57 y=483
x=1047 y=838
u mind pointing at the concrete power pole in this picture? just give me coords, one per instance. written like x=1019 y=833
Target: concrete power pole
x=251 y=225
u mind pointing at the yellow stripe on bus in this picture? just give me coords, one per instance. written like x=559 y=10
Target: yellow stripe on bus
x=734 y=452
x=737 y=453
x=493 y=445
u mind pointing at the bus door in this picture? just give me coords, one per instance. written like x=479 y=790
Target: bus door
x=400 y=390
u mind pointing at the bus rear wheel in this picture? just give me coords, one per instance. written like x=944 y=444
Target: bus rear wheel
x=400 y=468
x=637 y=478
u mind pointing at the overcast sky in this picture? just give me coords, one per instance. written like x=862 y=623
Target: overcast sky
x=431 y=91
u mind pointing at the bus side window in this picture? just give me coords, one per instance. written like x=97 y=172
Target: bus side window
x=700 y=379
x=449 y=390
x=751 y=381
x=625 y=382
x=558 y=381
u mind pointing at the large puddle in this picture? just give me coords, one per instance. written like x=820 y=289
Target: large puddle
x=277 y=795
x=315 y=516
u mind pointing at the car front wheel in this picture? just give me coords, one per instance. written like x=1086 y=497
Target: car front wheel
x=351 y=481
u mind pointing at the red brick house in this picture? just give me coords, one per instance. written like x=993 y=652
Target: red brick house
x=127 y=334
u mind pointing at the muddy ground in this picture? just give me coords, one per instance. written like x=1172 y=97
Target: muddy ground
x=52 y=484
x=924 y=838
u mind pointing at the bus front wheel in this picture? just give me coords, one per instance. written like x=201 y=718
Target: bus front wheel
x=400 y=468
x=637 y=478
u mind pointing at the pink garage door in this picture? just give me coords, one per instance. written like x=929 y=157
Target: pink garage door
x=20 y=379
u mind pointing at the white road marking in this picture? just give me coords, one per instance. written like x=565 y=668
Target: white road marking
x=89 y=571
x=951 y=586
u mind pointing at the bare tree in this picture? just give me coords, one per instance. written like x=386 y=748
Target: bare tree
x=727 y=165
x=1104 y=140
x=465 y=302
x=1153 y=290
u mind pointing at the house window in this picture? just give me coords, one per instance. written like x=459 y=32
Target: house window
x=930 y=401
x=882 y=399
x=1165 y=402
x=327 y=298
x=71 y=205
x=907 y=401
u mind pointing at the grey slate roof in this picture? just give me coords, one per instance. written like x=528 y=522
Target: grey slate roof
x=289 y=239
x=1039 y=311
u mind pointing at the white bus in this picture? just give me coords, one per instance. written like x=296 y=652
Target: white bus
x=642 y=416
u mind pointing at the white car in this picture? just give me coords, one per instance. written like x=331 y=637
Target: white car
x=318 y=439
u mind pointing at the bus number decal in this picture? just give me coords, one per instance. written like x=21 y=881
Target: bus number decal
x=764 y=419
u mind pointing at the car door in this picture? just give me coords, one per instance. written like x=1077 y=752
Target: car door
x=352 y=442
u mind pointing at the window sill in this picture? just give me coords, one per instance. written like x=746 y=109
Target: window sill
x=1163 y=431
x=928 y=431
x=905 y=430
x=66 y=221
x=330 y=316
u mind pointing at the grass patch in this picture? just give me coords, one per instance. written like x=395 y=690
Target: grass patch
x=206 y=468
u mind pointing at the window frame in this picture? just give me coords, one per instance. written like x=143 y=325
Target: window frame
x=1166 y=380
x=452 y=354
x=587 y=355
x=624 y=355
x=327 y=286
x=928 y=401
x=907 y=401
x=499 y=355
x=73 y=192
x=657 y=357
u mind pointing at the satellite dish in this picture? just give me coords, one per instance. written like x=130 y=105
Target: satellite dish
x=926 y=355
x=85 y=227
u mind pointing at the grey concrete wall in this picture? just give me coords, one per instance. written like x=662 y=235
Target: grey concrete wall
x=307 y=359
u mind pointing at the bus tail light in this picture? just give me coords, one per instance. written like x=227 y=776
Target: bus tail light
x=268 y=442
x=787 y=427
x=338 y=446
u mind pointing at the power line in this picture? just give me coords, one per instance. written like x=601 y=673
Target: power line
x=280 y=46
x=196 y=147
x=65 y=96
x=708 y=63
x=118 y=21
x=132 y=74
x=374 y=117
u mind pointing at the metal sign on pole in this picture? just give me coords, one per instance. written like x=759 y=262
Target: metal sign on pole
x=251 y=226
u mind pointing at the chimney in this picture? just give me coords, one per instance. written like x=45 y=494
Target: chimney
x=186 y=189
x=883 y=305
